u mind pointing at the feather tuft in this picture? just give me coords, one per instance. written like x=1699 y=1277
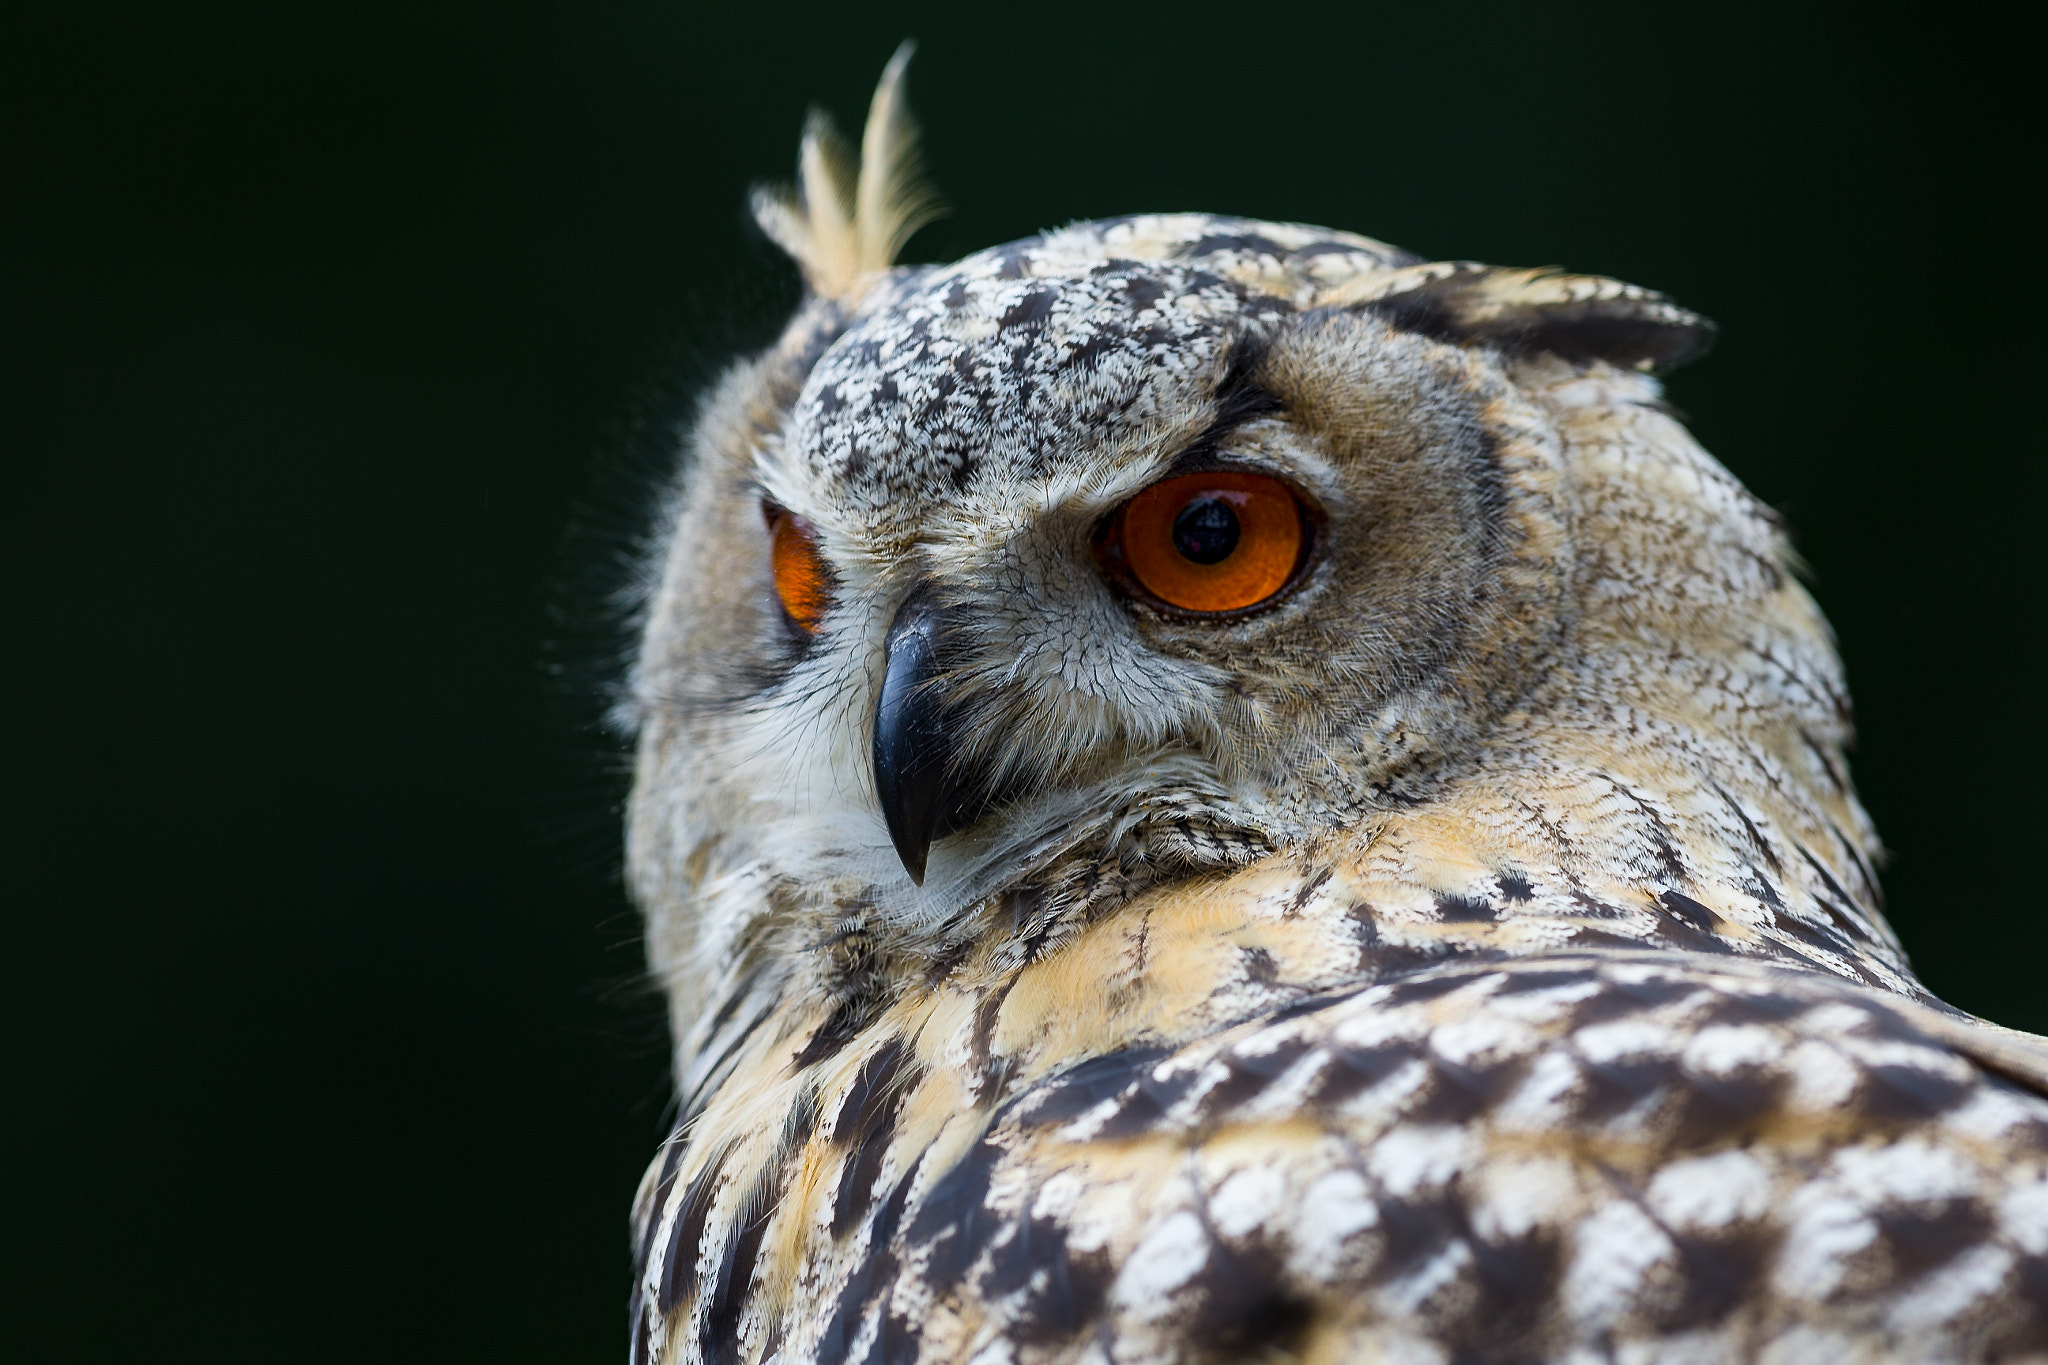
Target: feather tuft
x=844 y=222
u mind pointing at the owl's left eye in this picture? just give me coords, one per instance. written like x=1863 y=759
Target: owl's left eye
x=1214 y=543
x=803 y=585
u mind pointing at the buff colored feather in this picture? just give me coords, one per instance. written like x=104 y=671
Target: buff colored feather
x=843 y=223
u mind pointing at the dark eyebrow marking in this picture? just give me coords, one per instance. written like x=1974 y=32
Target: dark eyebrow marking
x=1239 y=399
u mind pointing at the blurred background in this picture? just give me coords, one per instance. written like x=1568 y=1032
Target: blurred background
x=341 y=334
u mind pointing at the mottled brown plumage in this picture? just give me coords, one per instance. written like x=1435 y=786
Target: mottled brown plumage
x=1471 y=951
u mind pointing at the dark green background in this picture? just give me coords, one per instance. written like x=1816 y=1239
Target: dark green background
x=323 y=1043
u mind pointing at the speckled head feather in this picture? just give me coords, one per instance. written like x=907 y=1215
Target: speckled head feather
x=1468 y=949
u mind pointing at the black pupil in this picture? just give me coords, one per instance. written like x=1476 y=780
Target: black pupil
x=1206 y=530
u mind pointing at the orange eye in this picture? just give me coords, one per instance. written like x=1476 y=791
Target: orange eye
x=802 y=583
x=1220 y=541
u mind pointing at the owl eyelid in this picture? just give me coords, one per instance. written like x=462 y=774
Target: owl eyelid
x=1208 y=459
x=1204 y=462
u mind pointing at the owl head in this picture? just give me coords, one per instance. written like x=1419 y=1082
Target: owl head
x=1138 y=550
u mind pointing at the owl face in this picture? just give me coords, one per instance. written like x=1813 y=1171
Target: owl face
x=1036 y=556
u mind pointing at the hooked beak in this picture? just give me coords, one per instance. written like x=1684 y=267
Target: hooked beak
x=923 y=793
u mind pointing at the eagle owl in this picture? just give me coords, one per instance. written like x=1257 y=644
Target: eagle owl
x=1215 y=790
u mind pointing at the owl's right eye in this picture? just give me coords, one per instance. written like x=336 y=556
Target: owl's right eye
x=1210 y=544
x=803 y=585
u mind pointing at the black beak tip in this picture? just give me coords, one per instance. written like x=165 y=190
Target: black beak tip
x=912 y=756
x=904 y=783
x=925 y=791
x=913 y=856
x=906 y=801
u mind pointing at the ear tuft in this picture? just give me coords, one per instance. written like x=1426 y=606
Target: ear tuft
x=843 y=224
x=1525 y=312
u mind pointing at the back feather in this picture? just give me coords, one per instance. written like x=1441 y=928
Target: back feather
x=841 y=224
